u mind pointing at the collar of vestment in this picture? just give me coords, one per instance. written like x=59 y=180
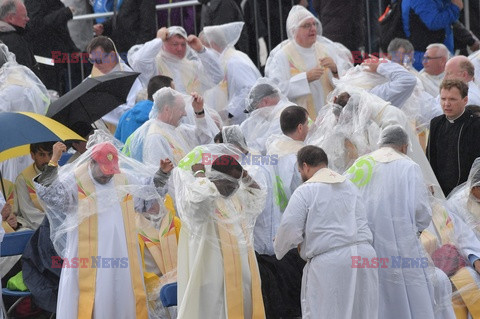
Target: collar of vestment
x=326 y=175
x=386 y=155
x=460 y=118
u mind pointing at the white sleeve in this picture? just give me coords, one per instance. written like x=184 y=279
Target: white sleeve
x=143 y=60
x=277 y=68
x=240 y=79
x=291 y=231
x=423 y=211
x=400 y=85
x=465 y=239
x=211 y=66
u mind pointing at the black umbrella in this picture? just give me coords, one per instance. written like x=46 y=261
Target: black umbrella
x=93 y=98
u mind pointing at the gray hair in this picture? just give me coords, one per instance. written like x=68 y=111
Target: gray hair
x=8 y=7
x=393 y=135
x=398 y=43
x=442 y=48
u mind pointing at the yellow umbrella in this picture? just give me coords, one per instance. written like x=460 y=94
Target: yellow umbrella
x=20 y=129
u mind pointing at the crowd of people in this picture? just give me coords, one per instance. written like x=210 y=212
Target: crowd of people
x=323 y=189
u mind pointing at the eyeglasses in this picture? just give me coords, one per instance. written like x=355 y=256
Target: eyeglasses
x=308 y=26
x=427 y=58
x=95 y=61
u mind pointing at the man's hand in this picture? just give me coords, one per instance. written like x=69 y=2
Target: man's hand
x=166 y=166
x=58 y=149
x=98 y=29
x=315 y=73
x=372 y=64
x=198 y=167
x=197 y=102
x=195 y=43
x=6 y=211
x=162 y=34
x=12 y=221
x=476 y=265
x=458 y=3
x=475 y=46
x=329 y=63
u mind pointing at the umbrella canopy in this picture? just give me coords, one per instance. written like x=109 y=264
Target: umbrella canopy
x=20 y=129
x=93 y=98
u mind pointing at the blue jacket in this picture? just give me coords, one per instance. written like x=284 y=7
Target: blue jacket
x=133 y=119
x=435 y=14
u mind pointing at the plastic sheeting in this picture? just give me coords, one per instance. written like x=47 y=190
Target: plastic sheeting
x=20 y=89
x=230 y=202
x=107 y=199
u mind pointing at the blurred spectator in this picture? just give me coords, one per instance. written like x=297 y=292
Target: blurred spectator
x=13 y=19
x=184 y=17
x=133 y=24
x=429 y=21
x=47 y=32
x=464 y=38
x=342 y=21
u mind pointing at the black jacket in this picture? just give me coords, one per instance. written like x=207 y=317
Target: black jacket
x=16 y=44
x=47 y=29
x=134 y=24
x=457 y=158
x=342 y=21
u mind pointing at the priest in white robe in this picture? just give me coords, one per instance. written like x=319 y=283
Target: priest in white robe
x=284 y=147
x=229 y=96
x=265 y=104
x=192 y=70
x=304 y=65
x=217 y=270
x=326 y=219
x=397 y=206
x=164 y=135
x=92 y=206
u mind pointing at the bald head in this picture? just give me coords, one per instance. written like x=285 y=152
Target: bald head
x=459 y=68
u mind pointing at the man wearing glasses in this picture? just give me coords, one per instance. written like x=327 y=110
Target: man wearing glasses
x=305 y=64
x=434 y=62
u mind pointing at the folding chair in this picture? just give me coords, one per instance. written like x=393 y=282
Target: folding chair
x=168 y=296
x=14 y=244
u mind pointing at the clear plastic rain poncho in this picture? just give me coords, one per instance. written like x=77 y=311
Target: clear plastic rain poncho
x=230 y=202
x=218 y=214
x=192 y=73
x=345 y=133
x=398 y=209
x=289 y=62
x=265 y=104
x=20 y=89
x=107 y=220
x=450 y=240
x=416 y=107
x=240 y=73
x=165 y=135
x=367 y=113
